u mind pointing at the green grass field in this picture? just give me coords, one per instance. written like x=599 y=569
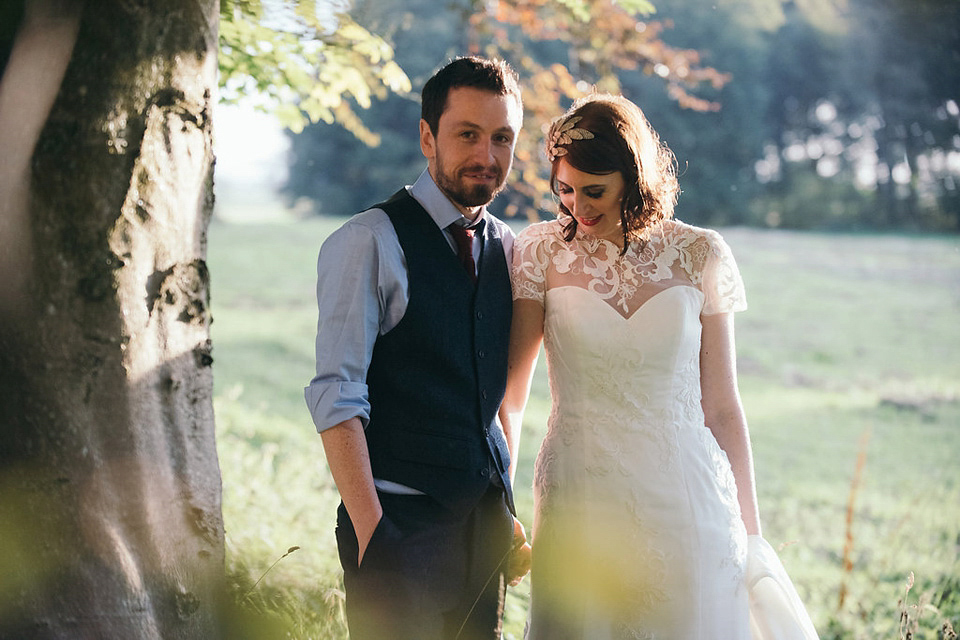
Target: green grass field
x=850 y=373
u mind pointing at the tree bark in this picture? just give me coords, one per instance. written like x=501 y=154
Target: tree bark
x=110 y=518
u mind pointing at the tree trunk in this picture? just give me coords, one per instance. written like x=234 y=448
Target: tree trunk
x=110 y=520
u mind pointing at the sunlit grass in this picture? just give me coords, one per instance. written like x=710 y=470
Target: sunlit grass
x=846 y=335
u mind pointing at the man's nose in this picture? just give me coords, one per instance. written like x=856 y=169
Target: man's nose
x=483 y=151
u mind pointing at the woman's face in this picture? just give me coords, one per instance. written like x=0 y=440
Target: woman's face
x=593 y=199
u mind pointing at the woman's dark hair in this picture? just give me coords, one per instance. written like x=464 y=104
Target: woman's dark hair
x=623 y=141
x=495 y=76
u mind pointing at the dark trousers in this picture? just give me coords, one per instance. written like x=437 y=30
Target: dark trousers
x=428 y=574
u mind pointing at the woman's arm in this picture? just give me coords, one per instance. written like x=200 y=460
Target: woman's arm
x=723 y=410
x=526 y=334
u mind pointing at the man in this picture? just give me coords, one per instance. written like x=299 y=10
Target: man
x=415 y=307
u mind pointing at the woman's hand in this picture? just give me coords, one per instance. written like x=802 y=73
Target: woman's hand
x=520 y=555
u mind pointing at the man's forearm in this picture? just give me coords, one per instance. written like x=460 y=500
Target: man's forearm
x=349 y=461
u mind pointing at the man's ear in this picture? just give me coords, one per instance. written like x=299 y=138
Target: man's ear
x=428 y=144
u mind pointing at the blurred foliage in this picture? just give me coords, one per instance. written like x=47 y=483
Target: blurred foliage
x=310 y=67
x=561 y=49
x=600 y=40
x=814 y=114
x=868 y=108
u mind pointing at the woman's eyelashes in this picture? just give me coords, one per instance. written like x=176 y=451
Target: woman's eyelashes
x=596 y=194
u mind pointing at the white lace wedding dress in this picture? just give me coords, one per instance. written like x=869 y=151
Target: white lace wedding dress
x=637 y=530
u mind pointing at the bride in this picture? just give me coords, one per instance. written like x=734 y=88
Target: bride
x=644 y=486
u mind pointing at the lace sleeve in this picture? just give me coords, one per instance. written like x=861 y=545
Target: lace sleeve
x=723 y=290
x=528 y=274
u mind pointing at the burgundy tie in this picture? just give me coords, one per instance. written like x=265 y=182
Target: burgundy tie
x=464 y=238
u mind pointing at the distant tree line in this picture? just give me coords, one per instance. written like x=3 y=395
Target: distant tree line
x=803 y=114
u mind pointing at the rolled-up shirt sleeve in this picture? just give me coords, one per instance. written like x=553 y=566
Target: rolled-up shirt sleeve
x=358 y=292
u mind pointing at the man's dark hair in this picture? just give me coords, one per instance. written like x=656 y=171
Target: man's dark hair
x=495 y=76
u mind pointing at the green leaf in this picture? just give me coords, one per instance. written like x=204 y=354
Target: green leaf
x=302 y=65
x=580 y=9
x=637 y=7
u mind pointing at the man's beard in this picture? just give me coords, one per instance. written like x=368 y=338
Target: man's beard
x=475 y=196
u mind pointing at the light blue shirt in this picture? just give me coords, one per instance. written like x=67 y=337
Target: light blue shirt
x=362 y=293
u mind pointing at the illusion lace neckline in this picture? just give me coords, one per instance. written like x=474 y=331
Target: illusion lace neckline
x=596 y=264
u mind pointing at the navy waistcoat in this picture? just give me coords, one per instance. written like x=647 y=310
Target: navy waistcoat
x=436 y=380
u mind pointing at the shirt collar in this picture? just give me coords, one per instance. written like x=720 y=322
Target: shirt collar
x=438 y=205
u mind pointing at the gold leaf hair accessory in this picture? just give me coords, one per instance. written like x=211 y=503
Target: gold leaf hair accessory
x=563 y=135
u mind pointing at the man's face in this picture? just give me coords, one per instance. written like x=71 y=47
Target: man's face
x=471 y=154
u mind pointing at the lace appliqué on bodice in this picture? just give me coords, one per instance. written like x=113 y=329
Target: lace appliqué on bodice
x=676 y=254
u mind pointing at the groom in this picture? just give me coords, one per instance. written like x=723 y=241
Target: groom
x=415 y=307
